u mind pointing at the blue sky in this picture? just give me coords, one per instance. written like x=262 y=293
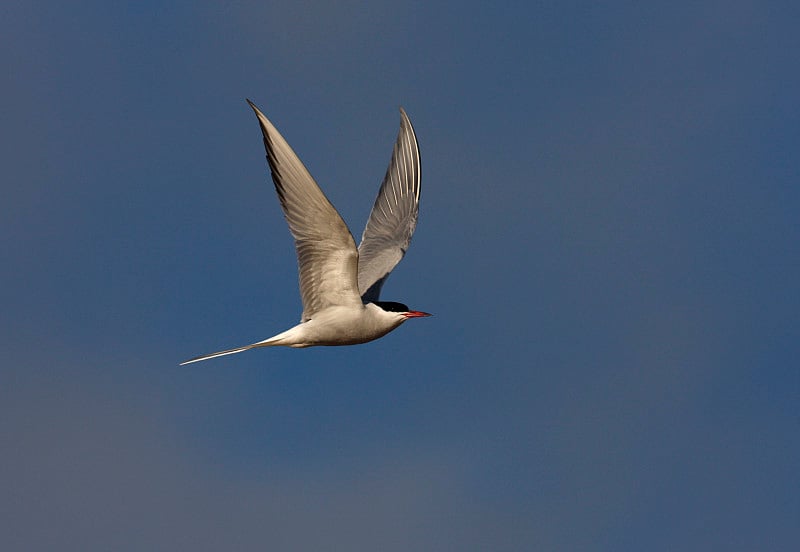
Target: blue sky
x=608 y=240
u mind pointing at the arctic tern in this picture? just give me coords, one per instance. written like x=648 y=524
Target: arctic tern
x=340 y=285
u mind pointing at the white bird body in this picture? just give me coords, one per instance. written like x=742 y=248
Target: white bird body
x=339 y=284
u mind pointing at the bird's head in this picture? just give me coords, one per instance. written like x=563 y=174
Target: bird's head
x=400 y=309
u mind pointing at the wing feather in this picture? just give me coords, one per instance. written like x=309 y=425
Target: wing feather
x=394 y=215
x=326 y=252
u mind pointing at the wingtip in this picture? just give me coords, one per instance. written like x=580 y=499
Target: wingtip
x=265 y=124
x=404 y=115
x=405 y=122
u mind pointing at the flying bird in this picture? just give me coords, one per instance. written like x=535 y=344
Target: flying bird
x=340 y=284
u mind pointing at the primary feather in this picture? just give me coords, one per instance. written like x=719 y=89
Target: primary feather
x=394 y=215
x=327 y=258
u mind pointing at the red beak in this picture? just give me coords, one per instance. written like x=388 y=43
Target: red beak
x=415 y=314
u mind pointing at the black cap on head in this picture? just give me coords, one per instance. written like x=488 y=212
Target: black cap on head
x=391 y=306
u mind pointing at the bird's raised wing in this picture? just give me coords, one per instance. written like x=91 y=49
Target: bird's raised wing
x=326 y=252
x=394 y=215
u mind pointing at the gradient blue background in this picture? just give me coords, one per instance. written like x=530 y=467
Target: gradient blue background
x=608 y=239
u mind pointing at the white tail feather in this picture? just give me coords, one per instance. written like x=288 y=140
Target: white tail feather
x=272 y=341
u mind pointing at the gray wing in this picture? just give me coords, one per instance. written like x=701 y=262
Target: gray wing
x=394 y=215
x=326 y=252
